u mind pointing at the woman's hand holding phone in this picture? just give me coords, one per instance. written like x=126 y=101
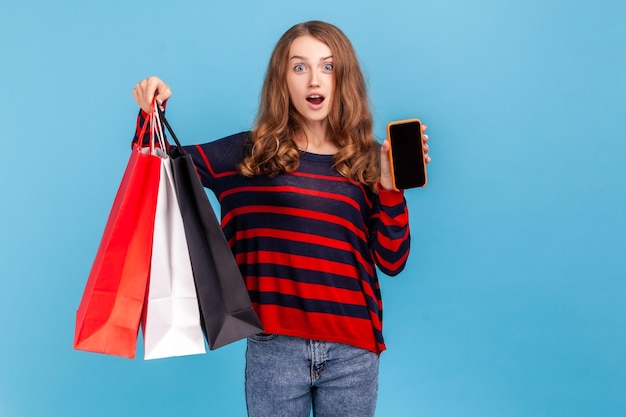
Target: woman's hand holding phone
x=407 y=152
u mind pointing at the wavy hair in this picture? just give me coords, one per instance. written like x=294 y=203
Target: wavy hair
x=272 y=149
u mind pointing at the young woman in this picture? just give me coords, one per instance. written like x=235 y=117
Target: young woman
x=308 y=209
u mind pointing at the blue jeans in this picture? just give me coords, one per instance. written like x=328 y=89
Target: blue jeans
x=285 y=376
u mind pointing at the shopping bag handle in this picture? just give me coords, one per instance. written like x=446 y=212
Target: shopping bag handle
x=169 y=128
x=156 y=128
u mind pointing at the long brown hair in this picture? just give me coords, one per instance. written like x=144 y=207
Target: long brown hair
x=272 y=149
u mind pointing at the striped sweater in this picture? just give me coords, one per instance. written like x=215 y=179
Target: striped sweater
x=308 y=243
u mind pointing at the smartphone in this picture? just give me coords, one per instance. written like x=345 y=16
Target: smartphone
x=406 y=154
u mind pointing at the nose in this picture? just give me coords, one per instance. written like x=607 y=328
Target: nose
x=314 y=81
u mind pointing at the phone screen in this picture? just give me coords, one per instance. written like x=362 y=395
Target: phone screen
x=407 y=154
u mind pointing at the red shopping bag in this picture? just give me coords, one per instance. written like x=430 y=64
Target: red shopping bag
x=107 y=320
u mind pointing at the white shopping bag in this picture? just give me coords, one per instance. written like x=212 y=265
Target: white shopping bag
x=171 y=324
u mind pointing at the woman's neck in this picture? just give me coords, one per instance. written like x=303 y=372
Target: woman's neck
x=315 y=138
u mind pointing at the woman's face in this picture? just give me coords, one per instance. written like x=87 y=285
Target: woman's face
x=310 y=78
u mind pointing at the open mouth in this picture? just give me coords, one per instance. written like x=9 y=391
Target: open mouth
x=315 y=99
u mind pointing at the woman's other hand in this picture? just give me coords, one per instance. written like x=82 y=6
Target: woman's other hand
x=145 y=90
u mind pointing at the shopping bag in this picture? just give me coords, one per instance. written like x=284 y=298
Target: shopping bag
x=107 y=319
x=226 y=310
x=171 y=321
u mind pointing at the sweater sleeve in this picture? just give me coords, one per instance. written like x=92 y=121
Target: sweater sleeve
x=214 y=161
x=390 y=238
x=142 y=128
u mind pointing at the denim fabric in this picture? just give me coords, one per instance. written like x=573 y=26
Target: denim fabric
x=286 y=376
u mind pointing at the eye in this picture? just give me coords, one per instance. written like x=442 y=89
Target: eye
x=299 y=68
x=328 y=67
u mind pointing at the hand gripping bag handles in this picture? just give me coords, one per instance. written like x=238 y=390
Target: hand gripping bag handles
x=171 y=321
x=107 y=319
x=224 y=301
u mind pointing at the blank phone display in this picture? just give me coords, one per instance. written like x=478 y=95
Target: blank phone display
x=407 y=154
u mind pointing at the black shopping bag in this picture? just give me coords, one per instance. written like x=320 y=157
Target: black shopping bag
x=225 y=305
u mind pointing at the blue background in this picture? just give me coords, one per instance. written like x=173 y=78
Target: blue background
x=513 y=300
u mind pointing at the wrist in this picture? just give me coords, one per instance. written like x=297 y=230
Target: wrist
x=385 y=183
x=383 y=186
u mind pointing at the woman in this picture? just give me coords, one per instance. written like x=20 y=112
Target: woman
x=308 y=209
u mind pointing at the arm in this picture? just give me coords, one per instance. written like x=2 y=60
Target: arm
x=213 y=161
x=390 y=238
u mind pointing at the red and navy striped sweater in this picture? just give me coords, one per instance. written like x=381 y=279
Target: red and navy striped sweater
x=308 y=243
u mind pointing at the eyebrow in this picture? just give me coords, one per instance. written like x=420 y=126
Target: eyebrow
x=304 y=58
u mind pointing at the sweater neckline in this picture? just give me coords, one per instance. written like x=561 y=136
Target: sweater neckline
x=316 y=157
